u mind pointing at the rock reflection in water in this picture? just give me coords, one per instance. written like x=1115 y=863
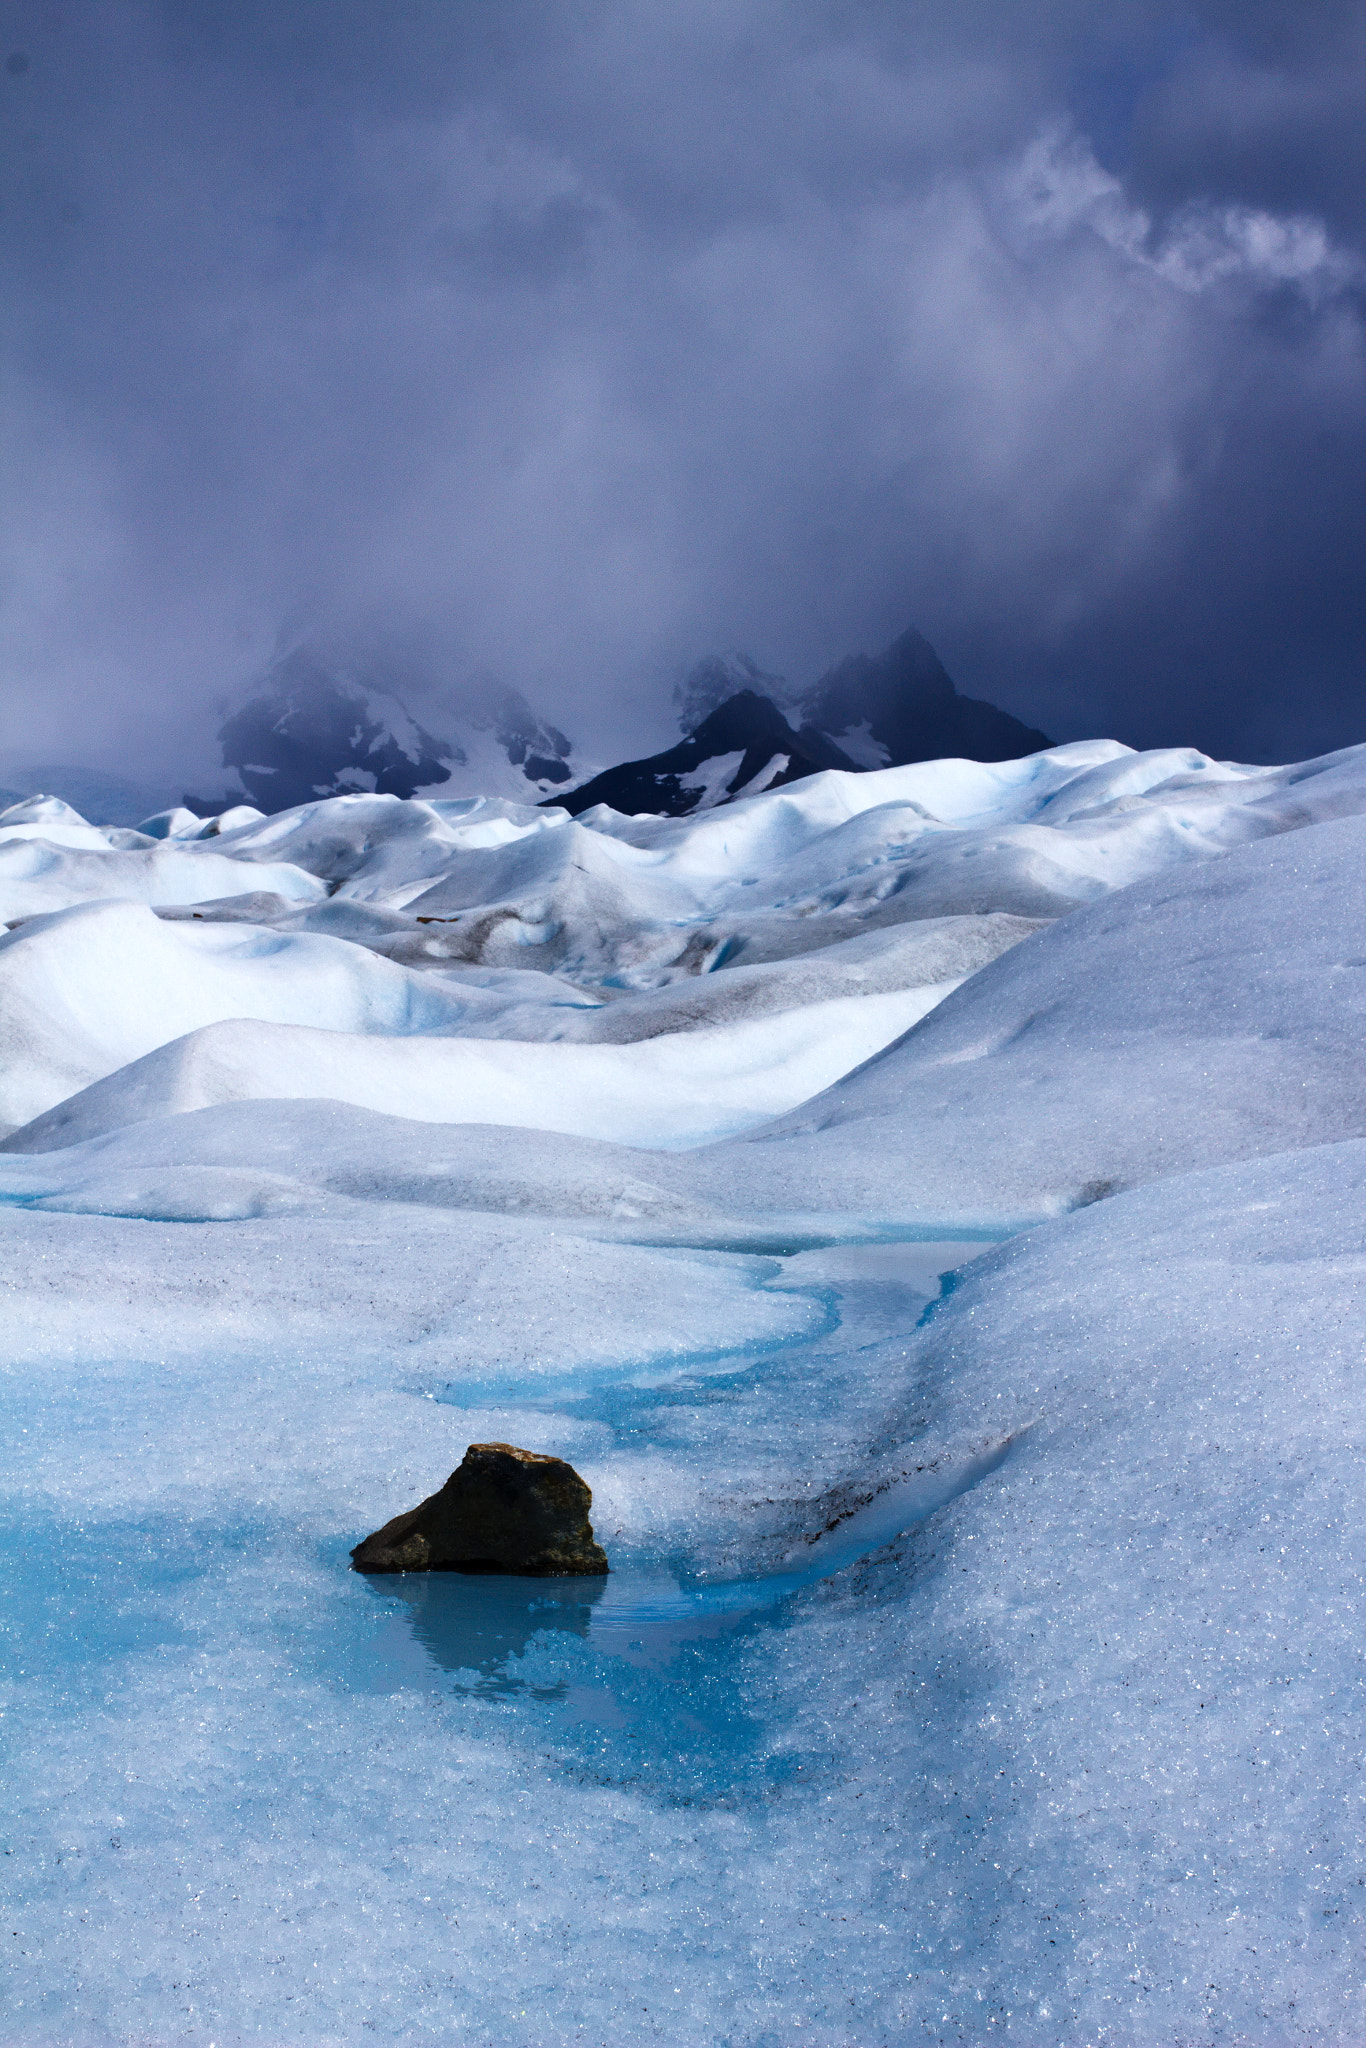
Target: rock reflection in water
x=640 y=1675
x=474 y=1623
x=476 y=1626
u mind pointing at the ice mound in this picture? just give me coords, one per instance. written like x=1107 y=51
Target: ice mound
x=86 y=990
x=45 y=868
x=670 y=1090
x=1138 y=1643
x=249 y=1158
x=1215 y=1013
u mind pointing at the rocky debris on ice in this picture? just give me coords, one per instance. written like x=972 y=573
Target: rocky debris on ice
x=502 y=1510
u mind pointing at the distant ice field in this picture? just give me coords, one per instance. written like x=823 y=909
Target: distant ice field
x=929 y=1208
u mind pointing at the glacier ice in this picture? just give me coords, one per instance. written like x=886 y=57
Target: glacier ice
x=927 y=1207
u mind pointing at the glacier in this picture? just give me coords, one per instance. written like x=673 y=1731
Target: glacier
x=926 y=1204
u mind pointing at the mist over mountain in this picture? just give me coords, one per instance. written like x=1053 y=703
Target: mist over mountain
x=869 y=711
x=100 y=797
x=888 y=709
x=320 y=726
x=715 y=679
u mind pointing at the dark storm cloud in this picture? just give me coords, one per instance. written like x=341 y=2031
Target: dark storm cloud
x=575 y=340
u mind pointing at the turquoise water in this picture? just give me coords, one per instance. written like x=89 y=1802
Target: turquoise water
x=643 y=1677
x=654 y=1675
x=657 y=1671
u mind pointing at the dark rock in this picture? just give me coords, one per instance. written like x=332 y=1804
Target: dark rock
x=501 y=1510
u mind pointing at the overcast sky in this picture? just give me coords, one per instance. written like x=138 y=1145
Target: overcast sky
x=574 y=339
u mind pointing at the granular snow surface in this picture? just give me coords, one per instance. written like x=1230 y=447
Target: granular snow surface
x=929 y=1208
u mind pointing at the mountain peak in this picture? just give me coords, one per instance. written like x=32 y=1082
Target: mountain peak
x=901 y=705
x=869 y=711
x=745 y=745
x=320 y=725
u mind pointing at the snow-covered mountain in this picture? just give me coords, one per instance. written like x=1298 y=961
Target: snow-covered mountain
x=744 y=746
x=323 y=724
x=746 y=731
x=320 y=726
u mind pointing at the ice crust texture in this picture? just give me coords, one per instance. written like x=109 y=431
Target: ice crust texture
x=984 y=1649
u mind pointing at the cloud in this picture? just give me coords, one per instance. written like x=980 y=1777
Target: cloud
x=576 y=341
x=1059 y=187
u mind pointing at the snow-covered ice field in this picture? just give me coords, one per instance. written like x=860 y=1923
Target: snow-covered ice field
x=928 y=1206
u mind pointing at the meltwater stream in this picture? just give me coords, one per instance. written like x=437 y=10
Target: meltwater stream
x=647 y=1668
x=477 y=1624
